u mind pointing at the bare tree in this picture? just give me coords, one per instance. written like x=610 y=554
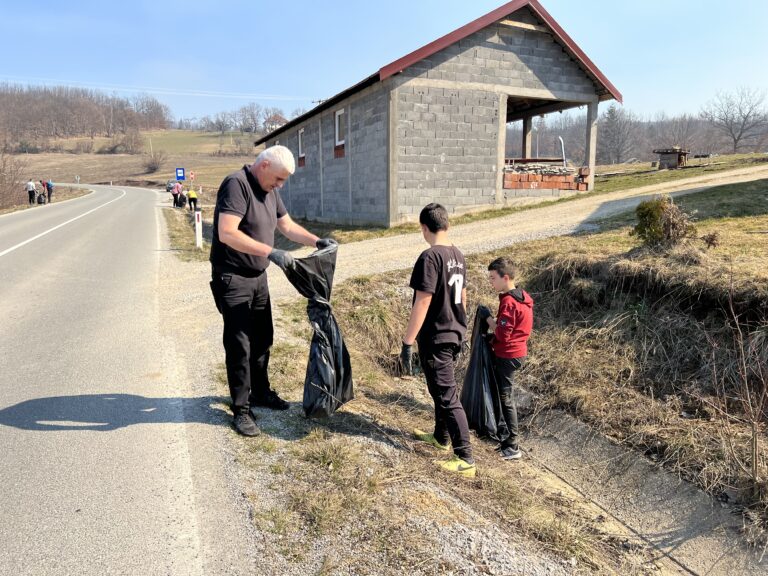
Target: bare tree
x=11 y=175
x=249 y=117
x=741 y=116
x=618 y=135
x=222 y=122
x=682 y=130
x=298 y=112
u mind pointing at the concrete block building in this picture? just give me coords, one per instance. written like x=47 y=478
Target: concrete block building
x=431 y=126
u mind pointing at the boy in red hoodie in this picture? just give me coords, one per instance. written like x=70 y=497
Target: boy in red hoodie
x=511 y=329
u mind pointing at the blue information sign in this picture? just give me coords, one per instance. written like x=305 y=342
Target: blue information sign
x=180 y=174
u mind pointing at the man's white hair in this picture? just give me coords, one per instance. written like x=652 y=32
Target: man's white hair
x=279 y=156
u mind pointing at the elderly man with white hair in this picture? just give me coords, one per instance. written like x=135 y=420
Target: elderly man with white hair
x=248 y=209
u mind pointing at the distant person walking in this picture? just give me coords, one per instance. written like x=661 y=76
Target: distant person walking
x=31 y=191
x=192 y=197
x=49 y=188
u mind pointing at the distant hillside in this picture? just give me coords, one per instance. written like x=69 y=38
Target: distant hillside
x=31 y=116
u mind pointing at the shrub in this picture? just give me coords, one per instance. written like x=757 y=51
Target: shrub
x=660 y=223
x=83 y=147
x=154 y=161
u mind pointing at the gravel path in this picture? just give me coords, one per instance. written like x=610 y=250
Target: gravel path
x=398 y=252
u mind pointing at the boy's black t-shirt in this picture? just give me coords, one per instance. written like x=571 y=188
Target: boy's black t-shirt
x=441 y=271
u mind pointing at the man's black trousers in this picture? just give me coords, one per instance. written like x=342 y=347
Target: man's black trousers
x=450 y=418
x=245 y=306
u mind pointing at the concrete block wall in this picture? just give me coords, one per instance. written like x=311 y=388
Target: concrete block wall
x=301 y=194
x=348 y=190
x=515 y=58
x=447 y=144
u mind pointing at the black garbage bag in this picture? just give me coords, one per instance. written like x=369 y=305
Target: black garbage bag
x=328 y=383
x=480 y=393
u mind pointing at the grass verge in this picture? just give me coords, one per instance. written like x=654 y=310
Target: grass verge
x=180 y=224
x=60 y=194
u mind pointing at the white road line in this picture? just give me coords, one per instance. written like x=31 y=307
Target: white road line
x=12 y=248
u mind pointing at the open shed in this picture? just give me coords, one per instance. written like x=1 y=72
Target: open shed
x=431 y=126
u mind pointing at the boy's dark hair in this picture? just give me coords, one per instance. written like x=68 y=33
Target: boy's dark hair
x=434 y=216
x=503 y=266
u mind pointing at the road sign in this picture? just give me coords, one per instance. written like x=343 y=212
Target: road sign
x=180 y=174
x=191 y=174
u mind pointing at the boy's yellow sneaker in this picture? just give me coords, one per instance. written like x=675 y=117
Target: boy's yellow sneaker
x=429 y=439
x=458 y=466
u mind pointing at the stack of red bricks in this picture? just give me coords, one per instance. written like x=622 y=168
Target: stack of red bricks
x=529 y=181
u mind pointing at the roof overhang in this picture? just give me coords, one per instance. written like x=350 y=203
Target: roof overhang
x=606 y=90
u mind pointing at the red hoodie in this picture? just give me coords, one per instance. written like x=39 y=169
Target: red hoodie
x=514 y=322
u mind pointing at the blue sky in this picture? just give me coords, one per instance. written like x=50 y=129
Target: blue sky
x=203 y=57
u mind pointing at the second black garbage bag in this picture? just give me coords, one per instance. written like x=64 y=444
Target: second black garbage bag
x=328 y=383
x=480 y=392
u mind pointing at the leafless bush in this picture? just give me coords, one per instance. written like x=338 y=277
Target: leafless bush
x=711 y=240
x=154 y=161
x=83 y=147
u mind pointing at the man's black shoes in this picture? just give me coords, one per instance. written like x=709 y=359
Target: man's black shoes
x=245 y=425
x=270 y=400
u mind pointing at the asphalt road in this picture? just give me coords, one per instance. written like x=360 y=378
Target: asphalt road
x=107 y=464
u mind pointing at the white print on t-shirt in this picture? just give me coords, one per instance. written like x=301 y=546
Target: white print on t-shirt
x=454 y=264
x=457 y=280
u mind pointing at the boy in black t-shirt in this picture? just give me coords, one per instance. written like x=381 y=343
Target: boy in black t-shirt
x=438 y=322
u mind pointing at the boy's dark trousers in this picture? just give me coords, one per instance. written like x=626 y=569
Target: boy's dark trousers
x=505 y=375
x=32 y=196
x=450 y=418
x=245 y=306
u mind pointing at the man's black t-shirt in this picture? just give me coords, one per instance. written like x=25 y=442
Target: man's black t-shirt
x=441 y=271
x=241 y=195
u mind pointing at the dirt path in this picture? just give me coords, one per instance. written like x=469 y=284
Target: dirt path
x=399 y=252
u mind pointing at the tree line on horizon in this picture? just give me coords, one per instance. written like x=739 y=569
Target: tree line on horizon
x=32 y=117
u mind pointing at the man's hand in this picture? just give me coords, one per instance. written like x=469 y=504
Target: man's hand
x=325 y=243
x=281 y=258
x=406 y=360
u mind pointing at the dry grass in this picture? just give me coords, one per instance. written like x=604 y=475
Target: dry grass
x=623 y=341
x=358 y=481
x=181 y=233
x=60 y=194
x=622 y=176
x=630 y=339
x=126 y=169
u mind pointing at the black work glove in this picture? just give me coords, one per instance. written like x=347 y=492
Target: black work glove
x=406 y=359
x=281 y=258
x=325 y=243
